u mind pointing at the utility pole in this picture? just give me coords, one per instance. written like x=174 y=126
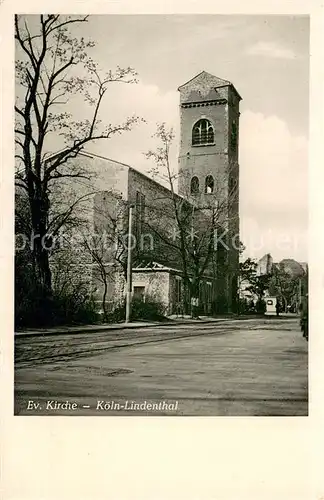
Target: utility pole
x=129 y=266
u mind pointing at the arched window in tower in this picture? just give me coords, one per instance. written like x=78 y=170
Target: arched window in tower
x=194 y=185
x=209 y=184
x=203 y=133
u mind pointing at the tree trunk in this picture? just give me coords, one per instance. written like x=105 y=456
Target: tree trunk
x=41 y=244
x=104 y=307
x=285 y=303
x=42 y=266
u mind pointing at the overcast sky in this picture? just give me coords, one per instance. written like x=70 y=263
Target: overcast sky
x=267 y=60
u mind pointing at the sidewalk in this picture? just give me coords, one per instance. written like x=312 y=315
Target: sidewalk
x=170 y=322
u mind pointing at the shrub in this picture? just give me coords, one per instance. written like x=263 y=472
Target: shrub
x=151 y=309
x=117 y=314
x=148 y=309
x=243 y=306
x=70 y=306
x=74 y=308
x=38 y=311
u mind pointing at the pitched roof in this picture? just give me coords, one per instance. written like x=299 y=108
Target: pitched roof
x=215 y=80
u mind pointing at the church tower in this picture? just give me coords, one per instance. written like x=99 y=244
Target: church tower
x=208 y=160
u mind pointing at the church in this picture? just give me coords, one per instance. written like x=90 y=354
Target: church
x=173 y=230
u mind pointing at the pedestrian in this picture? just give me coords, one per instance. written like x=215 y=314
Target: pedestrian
x=277 y=307
x=304 y=317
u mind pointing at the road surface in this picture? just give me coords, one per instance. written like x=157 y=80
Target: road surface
x=233 y=368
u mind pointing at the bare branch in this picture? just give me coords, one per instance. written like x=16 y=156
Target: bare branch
x=18 y=131
x=28 y=39
x=21 y=185
x=19 y=111
x=61 y=218
x=19 y=157
x=70 y=21
x=22 y=42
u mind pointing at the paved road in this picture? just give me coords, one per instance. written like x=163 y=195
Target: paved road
x=235 y=368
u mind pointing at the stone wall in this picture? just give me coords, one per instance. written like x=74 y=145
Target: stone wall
x=99 y=200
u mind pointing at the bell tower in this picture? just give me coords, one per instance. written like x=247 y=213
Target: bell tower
x=208 y=156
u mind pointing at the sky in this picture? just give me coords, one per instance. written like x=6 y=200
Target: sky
x=267 y=60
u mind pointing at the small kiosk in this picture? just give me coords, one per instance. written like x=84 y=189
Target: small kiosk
x=271 y=303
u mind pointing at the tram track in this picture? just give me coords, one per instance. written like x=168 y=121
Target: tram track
x=91 y=348
x=31 y=351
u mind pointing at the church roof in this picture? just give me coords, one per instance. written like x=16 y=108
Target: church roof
x=214 y=82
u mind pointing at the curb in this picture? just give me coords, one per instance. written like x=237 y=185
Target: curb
x=123 y=326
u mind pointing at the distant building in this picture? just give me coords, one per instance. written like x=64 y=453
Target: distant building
x=265 y=265
x=292 y=291
x=291 y=266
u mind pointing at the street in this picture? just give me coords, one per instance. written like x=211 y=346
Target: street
x=255 y=367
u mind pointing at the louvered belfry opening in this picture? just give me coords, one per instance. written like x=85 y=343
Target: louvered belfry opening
x=203 y=133
x=209 y=184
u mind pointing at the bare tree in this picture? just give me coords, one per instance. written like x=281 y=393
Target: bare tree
x=106 y=245
x=51 y=66
x=194 y=226
x=100 y=270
